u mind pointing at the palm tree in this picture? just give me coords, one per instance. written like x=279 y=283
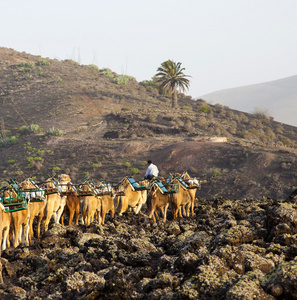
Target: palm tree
x=171 y=78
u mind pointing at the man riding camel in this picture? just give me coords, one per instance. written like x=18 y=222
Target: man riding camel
x=151 y=171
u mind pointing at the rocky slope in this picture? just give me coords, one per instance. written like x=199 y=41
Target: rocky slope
x=231 y=249
x=61 y=117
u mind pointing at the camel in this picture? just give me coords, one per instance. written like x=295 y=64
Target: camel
x=90 y=204
x=19 y=218
x=144 y=183
x=20 y=224
x=54 y=203
x=157 y=199
x=107 y=196
x=72 y=202
x=107 y=205
x=181 y=199
x=5 y=220
x=133 y=197
x=194 y=185
x=36 y=204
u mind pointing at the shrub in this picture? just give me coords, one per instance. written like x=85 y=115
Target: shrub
x=204 y=108
x=54 y=132
x=123 y=79
x=34 y=128
x=243 y=118
x=151 y=85
x=27 y=65
x=43 y=63
x=38 y=158
x=56 y=169
x=216 y=172
x=127 y=164
x=30 y=158
x=107 y=73
x=6 y=132
x=279 y=129
x=261 y=113
x=187 y=107
x=5 y=142
x=134 y=171
x=287 y=142
x=23 y=128
x=95 y=165
x=11 y=161
x=40 y=152
x=92 y=66
x=202 y=122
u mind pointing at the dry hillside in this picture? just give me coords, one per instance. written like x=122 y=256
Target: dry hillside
x=62 y=117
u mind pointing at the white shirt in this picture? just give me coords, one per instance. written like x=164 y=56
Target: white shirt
x=152 y=170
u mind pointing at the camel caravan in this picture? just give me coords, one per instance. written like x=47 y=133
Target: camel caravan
x=22 y=204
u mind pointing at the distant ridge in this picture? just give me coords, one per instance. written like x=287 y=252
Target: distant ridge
x=278 y=98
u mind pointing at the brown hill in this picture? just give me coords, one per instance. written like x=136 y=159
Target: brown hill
x=62 y=117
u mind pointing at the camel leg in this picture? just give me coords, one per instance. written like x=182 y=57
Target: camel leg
x=16 y=236
x=138 y=208
x=5 y=236
x=71 y=215
x=180 y=212
x=62 y=218
x=38 y=225
x=46 y=222
x=165 y=212
x=123 y=205
x=192 y=207
x=10 y=236
x=112 y=211
x=26 y=233
x=21 y=234
x=152 y=215
x=31 y=233
x=58 y=215
x=175 y=212
x=188 y=209
x=76 y=216
x=103 y=217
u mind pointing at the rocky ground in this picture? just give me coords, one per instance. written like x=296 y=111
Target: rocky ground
x=239 y=249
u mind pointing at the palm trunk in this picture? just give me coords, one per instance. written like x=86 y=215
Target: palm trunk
x=174 y=99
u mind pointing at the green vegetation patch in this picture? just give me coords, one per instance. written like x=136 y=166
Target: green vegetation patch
x=123 y=79
x=55 y=132
x=107 y=73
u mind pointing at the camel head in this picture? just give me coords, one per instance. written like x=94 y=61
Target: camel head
x=64 y=178
x=27 y=185
x=50 y=184
x=9 y=193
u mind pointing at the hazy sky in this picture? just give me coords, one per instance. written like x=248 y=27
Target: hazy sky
x=220 y=43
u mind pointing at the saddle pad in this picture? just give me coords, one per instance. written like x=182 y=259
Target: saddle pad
x=183 y=183
x=37 y=187
x=161 y=186
x=134 y=184
x=72 y=185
